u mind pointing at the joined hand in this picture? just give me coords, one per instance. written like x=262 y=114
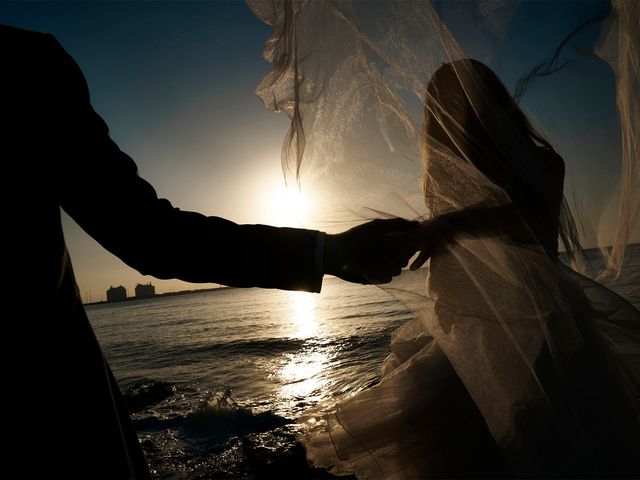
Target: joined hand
x=372 y=253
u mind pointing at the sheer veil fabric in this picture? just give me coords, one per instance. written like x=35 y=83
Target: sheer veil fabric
x=516 y=363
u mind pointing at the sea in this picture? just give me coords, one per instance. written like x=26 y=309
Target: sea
x=214 y=381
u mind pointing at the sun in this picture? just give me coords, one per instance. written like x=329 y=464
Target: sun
x=289 y=207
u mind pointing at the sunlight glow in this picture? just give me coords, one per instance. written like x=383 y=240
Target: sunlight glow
x=301 y=375
x=289 y=207
x=303 y=314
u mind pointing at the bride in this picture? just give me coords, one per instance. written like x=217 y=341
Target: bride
x=510 y=371
x=515 y=365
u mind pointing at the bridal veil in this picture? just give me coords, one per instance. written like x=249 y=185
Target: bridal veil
x=509 y=348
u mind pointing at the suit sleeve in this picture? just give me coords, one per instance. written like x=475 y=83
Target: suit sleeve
x=99 y=187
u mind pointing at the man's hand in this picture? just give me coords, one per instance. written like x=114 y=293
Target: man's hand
x=373 y=252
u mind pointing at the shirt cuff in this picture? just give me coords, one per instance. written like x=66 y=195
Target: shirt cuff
x=319 y=260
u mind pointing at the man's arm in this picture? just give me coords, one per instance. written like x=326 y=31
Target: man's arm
x=99 y=188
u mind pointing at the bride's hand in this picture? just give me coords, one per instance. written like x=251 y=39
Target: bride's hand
x=371 y=253
x=427 y=244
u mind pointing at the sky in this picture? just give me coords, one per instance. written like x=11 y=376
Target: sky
x=175 y=82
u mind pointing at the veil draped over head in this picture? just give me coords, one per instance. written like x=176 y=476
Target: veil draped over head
x=353 y=77
x=515 y=125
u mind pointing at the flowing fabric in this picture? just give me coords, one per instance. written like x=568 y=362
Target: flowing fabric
x=516 y=364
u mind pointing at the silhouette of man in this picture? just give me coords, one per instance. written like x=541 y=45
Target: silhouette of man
x=63 y=415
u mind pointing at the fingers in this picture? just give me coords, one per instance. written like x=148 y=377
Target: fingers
x=401 y=225
x=418 y=262
x=379 y=280
x=378 y=250
x=384 y=272
x=405 y=244
x=394 y=253
x=391 y=225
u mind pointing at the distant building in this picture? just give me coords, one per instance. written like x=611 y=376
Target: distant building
x=116 y=294
x=145 y=291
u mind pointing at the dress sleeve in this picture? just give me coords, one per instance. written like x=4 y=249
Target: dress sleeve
x=99 y=187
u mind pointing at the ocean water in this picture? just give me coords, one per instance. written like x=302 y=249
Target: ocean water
x=214 y=380
x=202 y=371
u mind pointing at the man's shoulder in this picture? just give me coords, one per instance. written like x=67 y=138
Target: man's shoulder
x=18 y=42
x=26 y=53
x=10 y=33
x=29 y=59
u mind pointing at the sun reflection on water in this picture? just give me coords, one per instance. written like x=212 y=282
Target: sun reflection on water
x=303 y=314
x=302 y=373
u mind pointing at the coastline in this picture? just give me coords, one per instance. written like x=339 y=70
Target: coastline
x=162 y=295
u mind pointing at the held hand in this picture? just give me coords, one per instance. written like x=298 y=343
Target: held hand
x=426 y=241
x=373 y=252
x=432 y=237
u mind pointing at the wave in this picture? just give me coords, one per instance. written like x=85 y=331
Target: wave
x=147 y=352
x=144 y=394
x=258 y=346
x=216 y=417
x=219 y=415
x=270 y=346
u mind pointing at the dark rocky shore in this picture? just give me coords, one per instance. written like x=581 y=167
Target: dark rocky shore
x=236 y=444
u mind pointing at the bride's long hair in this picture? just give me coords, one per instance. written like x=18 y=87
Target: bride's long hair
x=456 y=114
x=470 y=116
